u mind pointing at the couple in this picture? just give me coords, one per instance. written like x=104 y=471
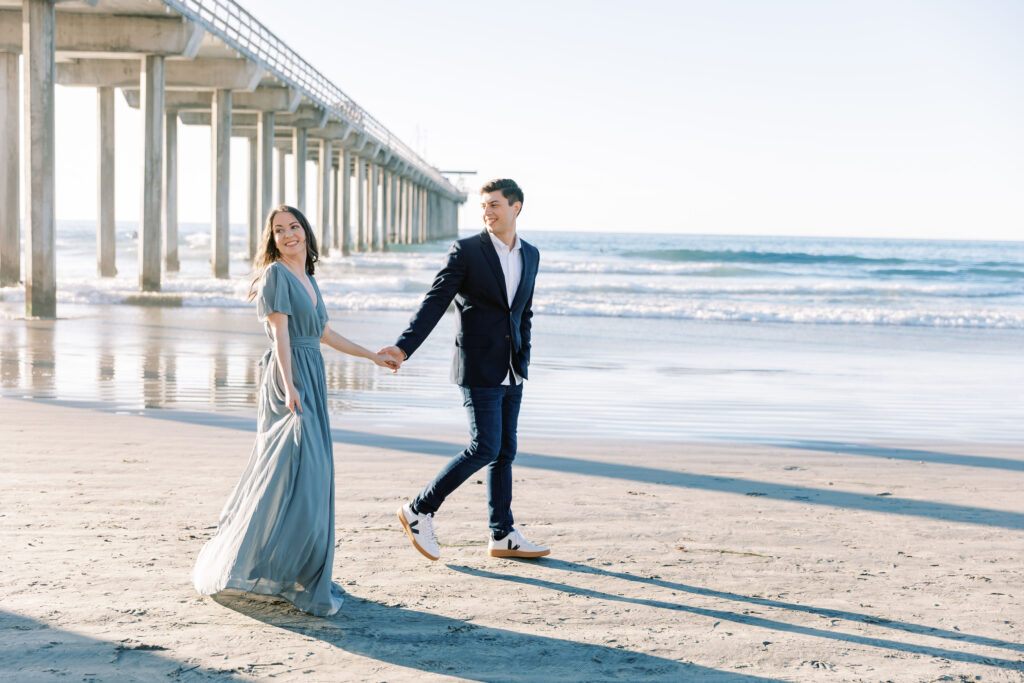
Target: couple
x=276 y=532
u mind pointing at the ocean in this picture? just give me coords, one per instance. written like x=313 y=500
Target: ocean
x=638 y=335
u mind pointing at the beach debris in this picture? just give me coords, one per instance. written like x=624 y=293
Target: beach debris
x=723 y=552
x=754 y=493
x=129 y=644
x=884 y=493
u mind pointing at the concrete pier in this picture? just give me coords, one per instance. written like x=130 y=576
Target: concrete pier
x=216 y=66
x=345 y=181
x=10 y=188
x=170 y=220
x=385 y=203
x=334 y=205
x=106 y=257
x=299 y=157
x=252 y=203
x=360 y=231
x=265 y=166
x=220 y=138
x=373 y=232
x=38 y=76
x=326 y=155
x=152 y=104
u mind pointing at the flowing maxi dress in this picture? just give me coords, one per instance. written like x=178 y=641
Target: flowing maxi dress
x=276 y=532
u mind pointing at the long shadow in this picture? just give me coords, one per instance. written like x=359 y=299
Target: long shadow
x=889 y=453
x=750 y=620
x=917 y=629
x=815 y=496
x=442 y=645
x=949 y=512
x=43 y=652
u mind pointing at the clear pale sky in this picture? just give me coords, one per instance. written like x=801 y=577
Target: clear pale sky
x=898 y=118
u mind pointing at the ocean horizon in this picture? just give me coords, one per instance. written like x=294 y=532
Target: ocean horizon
x=802 y=280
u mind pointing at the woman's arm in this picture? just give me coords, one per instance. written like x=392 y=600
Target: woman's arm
x=283 y=353
x=336 y=341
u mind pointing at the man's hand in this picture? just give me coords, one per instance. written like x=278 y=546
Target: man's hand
x=396 y=353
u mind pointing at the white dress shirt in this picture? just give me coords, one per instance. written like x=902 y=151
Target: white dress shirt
x=511 y=260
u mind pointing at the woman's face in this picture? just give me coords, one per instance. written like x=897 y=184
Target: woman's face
x=289 y=237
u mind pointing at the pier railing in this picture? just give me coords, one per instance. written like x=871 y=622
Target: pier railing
x=243 y=32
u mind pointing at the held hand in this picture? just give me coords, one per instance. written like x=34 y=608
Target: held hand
x=291 y=399
x=396 y=353
x=386 y=361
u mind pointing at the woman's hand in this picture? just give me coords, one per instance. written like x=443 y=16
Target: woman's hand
x=291 y=399
x=386 y=361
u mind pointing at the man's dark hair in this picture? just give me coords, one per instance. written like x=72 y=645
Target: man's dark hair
x=508 y=187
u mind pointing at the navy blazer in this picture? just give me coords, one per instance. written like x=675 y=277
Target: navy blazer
x=491 y=335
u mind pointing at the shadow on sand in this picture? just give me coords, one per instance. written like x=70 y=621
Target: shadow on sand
x=443 y=645
x=892 y=505
x=893 y=453
x=761 y=622
x=46 y=653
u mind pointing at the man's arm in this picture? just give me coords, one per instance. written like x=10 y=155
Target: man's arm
x=446 y=285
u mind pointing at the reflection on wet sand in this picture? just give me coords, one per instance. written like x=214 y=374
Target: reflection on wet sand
x=153 y=358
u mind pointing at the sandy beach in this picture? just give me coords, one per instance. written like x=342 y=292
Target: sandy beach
x=671 y=560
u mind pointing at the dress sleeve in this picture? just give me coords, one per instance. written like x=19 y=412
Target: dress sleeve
x=273 y=294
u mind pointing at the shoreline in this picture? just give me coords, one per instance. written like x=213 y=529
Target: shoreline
x=644 y=379
x=671 y=560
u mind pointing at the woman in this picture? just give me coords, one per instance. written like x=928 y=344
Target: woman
x=276 y=533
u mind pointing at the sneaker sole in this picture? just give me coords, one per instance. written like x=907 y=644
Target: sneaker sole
x=517 y=553
x=412 y=537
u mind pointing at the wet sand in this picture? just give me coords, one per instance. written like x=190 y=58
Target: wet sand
x=671 y=560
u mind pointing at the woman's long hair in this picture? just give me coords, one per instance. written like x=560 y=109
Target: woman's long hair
x=268 y=251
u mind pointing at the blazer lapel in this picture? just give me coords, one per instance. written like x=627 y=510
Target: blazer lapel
x=528 y=274
x=491 y=257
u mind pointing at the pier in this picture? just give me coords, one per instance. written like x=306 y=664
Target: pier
x=195 y=62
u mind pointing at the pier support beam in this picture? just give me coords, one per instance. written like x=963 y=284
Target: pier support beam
x=152 y=93
x=372 y=237
x=345 y=176
x=170 y=222
x=385 y=209
x=39 y=75
x=326 y=154
x=281 y=169
x=334 y=205
x=220 y=137
x=299 y=155
x=265 y=163
x=360 y=235
x=106 y=256
x=403 y=201
x=253 y=199
x=10 y=187
x=417 y=236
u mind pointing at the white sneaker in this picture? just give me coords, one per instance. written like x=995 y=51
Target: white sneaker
x=514 y=545
x=420 y=529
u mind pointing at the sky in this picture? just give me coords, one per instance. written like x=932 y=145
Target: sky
x=870 y=118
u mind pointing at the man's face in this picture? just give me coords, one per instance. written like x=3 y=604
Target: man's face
x=499 y=215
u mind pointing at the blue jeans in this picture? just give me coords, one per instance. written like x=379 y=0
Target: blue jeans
x=493 y=417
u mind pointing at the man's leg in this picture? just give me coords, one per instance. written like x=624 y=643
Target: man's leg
x=484 y=409
x=499 y=471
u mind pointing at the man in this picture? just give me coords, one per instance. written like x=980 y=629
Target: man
x=490 y=276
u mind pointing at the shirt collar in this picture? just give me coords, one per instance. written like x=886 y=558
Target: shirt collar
x=501 y=246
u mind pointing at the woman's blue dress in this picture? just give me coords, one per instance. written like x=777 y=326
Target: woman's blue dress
x=276 y=533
